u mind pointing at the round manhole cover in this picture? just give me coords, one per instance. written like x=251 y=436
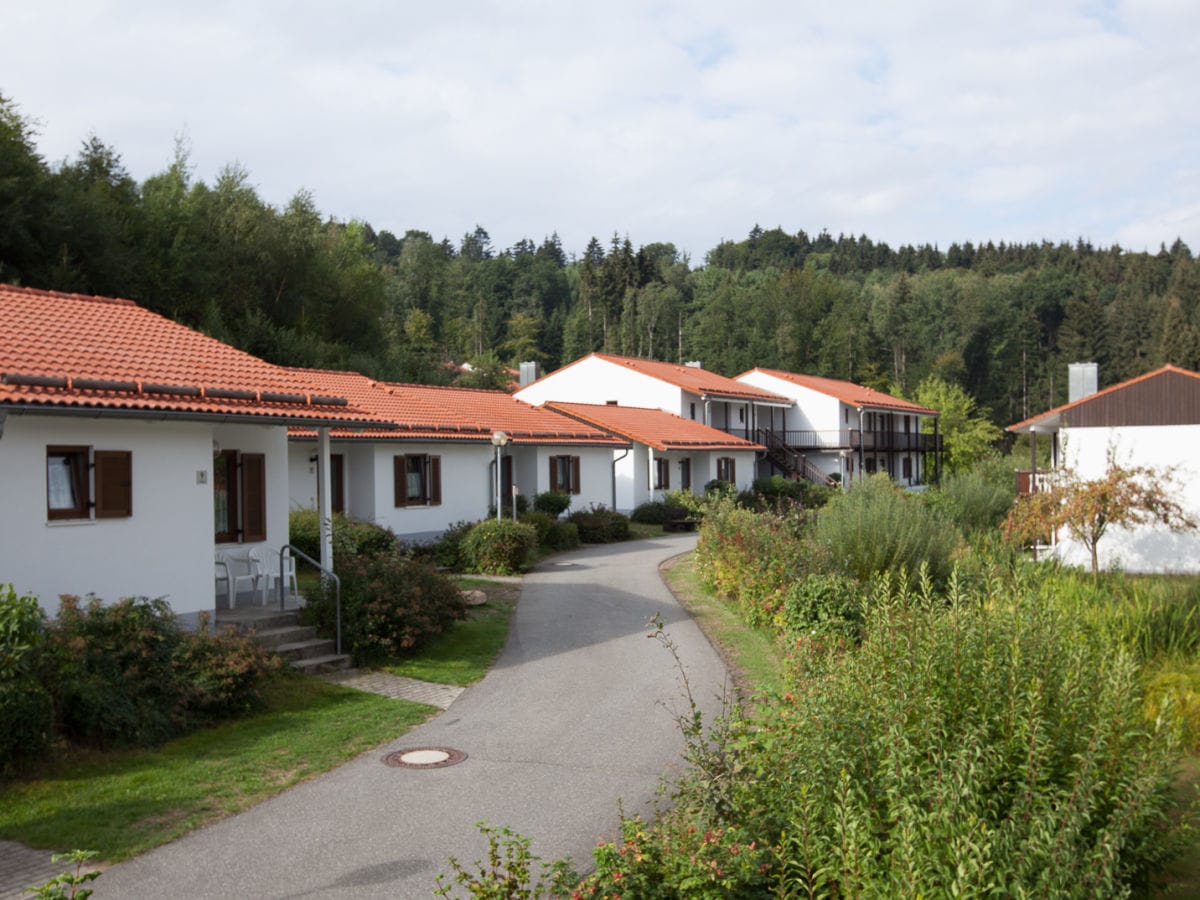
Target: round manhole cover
x=424 y=758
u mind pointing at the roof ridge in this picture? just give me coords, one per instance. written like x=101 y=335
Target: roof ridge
x=67 y=295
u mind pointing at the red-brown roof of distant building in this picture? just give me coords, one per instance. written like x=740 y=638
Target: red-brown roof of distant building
x=849 y=392
x=653 y=427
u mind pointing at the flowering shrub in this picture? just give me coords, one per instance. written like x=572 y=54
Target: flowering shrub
x=753 y=558
x=127 y=674
x=390 y=604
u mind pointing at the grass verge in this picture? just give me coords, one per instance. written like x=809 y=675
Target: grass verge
x=466 y=650
x=125 y=803
x=751 y=654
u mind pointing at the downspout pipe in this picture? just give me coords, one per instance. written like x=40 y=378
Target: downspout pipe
x=616 y=459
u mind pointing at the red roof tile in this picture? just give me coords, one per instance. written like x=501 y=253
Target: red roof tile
x=848 y=392
x=689 y=378
x=654 y=427
x=1033 y=420
x=71 y=350
x=450 y=413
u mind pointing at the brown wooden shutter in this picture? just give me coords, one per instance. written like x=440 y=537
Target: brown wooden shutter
x=114 y=484
x=254 y=497
x=554 y=473
x=400 y=474
x=435 y=480
x=574 y=474
x=732 y=471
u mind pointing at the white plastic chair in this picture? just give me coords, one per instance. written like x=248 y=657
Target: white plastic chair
x=266 y=562
x=236 y=571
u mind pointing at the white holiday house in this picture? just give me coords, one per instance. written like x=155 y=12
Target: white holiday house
x=133 y=449
x=668 y=452
x=437 y=464
x=844 y=430
x=1152 y=420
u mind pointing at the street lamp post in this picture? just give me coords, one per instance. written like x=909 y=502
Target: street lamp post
x=499 y=439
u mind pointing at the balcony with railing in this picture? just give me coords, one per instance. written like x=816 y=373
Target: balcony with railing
x=1033 y=481
x=854 y=439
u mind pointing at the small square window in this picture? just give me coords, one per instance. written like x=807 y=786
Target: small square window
x=66 y=482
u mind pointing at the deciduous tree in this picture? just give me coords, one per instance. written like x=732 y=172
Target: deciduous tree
x=1127 y=496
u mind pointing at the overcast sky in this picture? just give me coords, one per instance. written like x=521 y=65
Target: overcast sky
x=687 y=122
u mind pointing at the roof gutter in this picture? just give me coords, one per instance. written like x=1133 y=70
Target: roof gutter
x=97 y=412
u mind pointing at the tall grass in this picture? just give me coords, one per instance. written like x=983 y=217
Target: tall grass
x=875 y=527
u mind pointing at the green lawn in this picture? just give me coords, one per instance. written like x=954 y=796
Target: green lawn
x=464 y=653
x=125 y=803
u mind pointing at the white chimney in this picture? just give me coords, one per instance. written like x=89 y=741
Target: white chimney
x=531 y=371
x=1082 y=380
x=694 y=364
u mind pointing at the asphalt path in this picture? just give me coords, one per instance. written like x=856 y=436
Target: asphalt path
x=578 y=714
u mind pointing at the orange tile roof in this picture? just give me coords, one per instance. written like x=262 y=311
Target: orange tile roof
x=689 y=378
x=654 y=427
x=448 y=413
x=1058 y=410
x=72 y=350
x=848 y=392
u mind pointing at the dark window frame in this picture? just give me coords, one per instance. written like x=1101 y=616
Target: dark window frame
x=565 y=475
x=662 y=473
x=685 y=474
x=428 y=468
x=100 y=480
x=246 y=492
x=727 y=469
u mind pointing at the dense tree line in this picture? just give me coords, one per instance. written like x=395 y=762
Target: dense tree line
x=295 y=286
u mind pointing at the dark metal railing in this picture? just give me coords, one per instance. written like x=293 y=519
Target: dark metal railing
x=325 y=573
x=853 y=439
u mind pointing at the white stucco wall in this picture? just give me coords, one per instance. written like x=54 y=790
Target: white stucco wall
x=811 y=410
x=598 y=381
x=1150 y=548
x=165 y=549
x=595 y=474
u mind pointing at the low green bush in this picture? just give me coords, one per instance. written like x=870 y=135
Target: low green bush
x=877 y=527
x=599 y=525
x=448 y=549
x=551 y=533
x=500 y=547
x=552 y=503
x=656 y=512
x=26 y=710
x=685 y=500
x=391 y=603
x=821 y=604
x=351 y=537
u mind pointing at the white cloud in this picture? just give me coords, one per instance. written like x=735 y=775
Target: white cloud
x=675 y=121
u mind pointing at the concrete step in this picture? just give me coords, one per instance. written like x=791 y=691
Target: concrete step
x=273 y=638
x=315 y=665
x=257 y=618
x=305 y=649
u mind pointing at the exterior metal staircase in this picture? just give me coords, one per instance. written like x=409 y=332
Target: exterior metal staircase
x=794 y=464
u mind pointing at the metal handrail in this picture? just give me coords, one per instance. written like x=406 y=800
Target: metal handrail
x=337 y=586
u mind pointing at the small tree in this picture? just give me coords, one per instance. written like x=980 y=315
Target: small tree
x=1127 y=496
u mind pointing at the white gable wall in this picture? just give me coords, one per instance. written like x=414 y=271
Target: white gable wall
x=593 y=380
x=810 y=411
x=165 y=548
x=1150 y=548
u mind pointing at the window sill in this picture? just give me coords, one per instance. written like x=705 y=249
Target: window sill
x=68 y=523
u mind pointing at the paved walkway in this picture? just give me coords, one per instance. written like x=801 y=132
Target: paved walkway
x=578 y=714
x=21 y=867
x=397 y=687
